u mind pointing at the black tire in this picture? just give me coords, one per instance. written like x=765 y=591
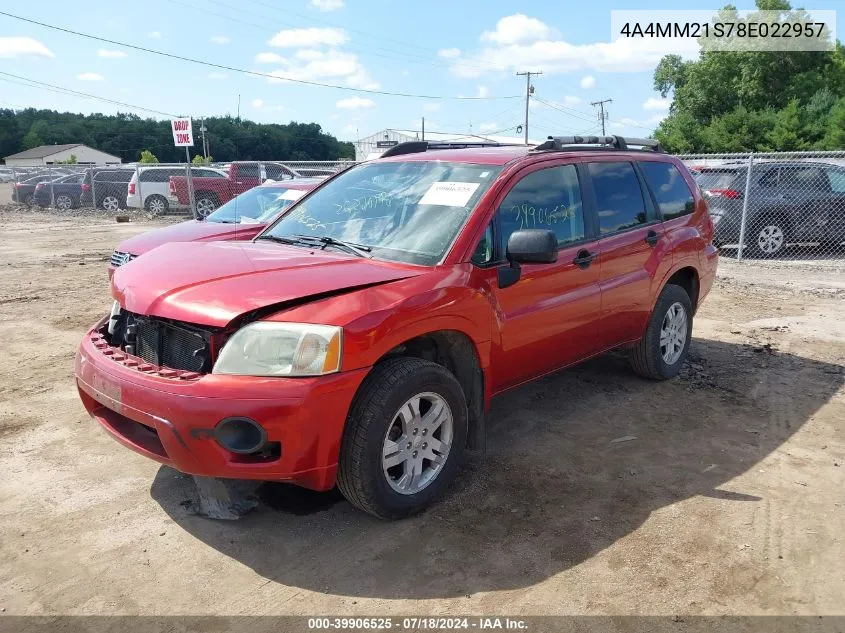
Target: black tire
x=211 y=199
x=157 y=201
x=28 y=199
x=389 y=385
x=753 y=238
x=646 y=357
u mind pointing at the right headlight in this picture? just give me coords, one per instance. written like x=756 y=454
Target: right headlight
x=269 y=348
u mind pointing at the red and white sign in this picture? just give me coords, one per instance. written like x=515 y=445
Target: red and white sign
x=183 y=134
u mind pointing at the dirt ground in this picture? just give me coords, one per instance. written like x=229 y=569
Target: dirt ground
x=720 y=492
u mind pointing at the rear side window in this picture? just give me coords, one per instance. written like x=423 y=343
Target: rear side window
x=159 y=175
x=619 y=198
x=716 y=179
x=545 y=199
x=669 y=188
x=250 y=170
x=207 y=173
x=803 y=178
x=837 y=179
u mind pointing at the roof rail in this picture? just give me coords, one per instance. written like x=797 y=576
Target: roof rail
x=414 y=147
x=604 y=142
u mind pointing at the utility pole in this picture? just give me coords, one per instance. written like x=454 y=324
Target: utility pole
x=423 y=128
x=602 y=114
x=204 y=129
x=529 y=90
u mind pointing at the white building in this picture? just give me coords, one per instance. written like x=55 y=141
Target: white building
x=52 y=154
x=374 y=145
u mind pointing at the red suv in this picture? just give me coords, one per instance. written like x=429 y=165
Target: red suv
x=359 y=339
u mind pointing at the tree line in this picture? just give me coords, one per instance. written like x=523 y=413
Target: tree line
x=127 y=135
x=754 y=101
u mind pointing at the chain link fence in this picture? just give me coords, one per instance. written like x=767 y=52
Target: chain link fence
x=155 y=188
x=786 y=206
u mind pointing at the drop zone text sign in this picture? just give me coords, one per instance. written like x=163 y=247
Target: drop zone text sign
x=183 y=135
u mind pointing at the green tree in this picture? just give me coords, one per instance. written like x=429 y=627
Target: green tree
x=835 y=136
x=199 y=160
x=69 y=161
x=147 y=157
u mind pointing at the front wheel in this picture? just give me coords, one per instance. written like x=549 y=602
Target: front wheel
x=205 y=206
x=664 y=347
x=404 y=438
x=64 y=203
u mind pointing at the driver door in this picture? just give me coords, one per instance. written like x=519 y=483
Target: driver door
x=548 y=319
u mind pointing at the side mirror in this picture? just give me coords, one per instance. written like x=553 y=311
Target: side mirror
x=532 y=246
x=528 y=246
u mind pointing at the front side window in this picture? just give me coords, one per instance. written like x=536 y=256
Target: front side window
x=803 y=178
x=669 y=187
x=837 y=179
x=545 y=199
x=402 y=211
x=256 y=206
x=619 y=198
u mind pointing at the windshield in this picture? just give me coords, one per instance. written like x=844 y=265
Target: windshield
x=256 y=206
x=401 y=211
x=716 y=179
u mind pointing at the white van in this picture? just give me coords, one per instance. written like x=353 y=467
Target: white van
x=153 y=189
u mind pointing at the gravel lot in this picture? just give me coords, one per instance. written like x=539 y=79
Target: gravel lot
x=719 y=492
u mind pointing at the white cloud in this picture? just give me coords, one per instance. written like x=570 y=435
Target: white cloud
x=571 y=101
x=405 y=72
x=483 y=92
x=431 y=107
x=303 y=38
x=217 y=76
x=518 y=28
x=588 y=82
x=332 y=65
x=90 y=77
x=219 y=39
x=649 y=123
x=104 y=52
x=23 y=47
x=449 y=53
x=326 y=5
x=355 y=103
x=489 y=127
x=652 y=103
x=268 y=58
x=156 y=35
x=257 y=103
x=522 y=43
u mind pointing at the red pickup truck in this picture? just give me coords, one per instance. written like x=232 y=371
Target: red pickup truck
x=242 y=176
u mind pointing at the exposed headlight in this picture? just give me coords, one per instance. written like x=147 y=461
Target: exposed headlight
x=267 y=348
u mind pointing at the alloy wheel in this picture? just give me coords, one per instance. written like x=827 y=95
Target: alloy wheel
x=673 y=333
x=204 y=207
x=157 y=206
x=770 y=239
x=64 y=203
x=417 y=443
x=110 y=203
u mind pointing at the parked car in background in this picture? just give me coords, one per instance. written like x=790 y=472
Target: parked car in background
x=210 y=193
x=149 y=187
x=242 y=218
x=107 y=188
x=24 y=190
x=359 y=339
x=7 y=174
x=788 y=202
x=63 y=193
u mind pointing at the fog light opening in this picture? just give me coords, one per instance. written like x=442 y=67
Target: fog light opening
x=240 y=435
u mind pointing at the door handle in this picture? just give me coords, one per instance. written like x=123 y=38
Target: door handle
x=584 y=258
x=651 y=238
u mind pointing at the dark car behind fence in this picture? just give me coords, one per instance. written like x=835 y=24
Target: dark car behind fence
x=783 y=206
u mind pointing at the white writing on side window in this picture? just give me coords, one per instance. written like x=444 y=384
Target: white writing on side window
x=449 y=194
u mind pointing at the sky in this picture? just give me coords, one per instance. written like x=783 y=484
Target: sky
x=453 y=50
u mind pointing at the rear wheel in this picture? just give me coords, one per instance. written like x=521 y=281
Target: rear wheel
x=206 y=204
x=28 y=199
x=110 y=203
x=63 y=202
x=661 y=352
x=157 y=205
x=768 y=238
x=404 y=438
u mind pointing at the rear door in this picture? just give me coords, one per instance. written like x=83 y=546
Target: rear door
x=805 y=190
x=548 y=318
x=631 y=234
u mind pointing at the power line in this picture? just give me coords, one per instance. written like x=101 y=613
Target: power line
x=529 y=90
x=243 y=70
x=60 y=90
x=569 y=111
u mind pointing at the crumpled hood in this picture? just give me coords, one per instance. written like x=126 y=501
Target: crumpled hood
x=189 y=231
x=211 y=283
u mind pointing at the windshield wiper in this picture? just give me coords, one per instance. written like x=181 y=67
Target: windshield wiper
x=356 y=249
x=284 y=240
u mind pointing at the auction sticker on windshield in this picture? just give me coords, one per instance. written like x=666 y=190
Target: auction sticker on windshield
x=449 y=194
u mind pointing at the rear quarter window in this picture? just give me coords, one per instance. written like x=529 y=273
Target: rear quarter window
x=671 y=191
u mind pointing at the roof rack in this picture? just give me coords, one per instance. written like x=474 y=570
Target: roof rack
x=604 y=142
x=414 y=147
